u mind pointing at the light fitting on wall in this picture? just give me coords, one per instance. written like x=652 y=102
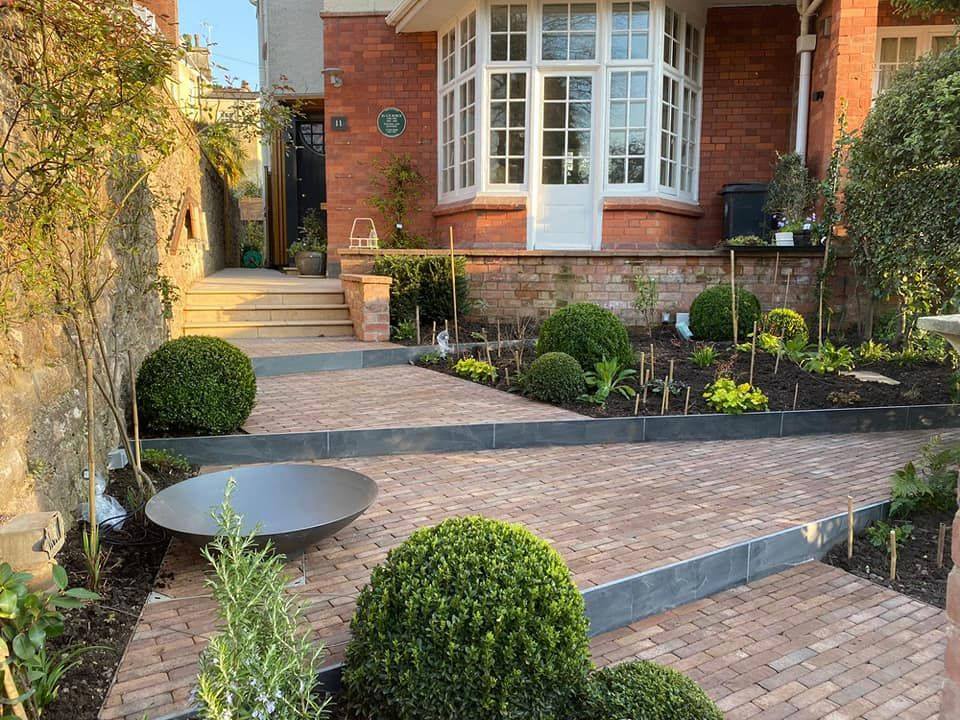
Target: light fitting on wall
x=335 y=75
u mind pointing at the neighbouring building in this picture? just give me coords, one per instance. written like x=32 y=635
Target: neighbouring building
x=583 y=127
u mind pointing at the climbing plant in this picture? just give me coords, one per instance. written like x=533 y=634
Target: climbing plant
x=399 y=187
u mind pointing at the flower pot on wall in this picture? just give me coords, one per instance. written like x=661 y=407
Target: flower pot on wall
x=802 y=238
x=311 y=263
x=784 y=239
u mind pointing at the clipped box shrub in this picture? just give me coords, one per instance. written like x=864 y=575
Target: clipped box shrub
x=555 y=377
x=423 y=280
x=786 y=323
x=588 y=333
x=473 y=619
x=196 y=385
x=647 y=691
x=711 y=314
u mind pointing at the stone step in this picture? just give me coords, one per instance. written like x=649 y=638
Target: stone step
x=266 y=313
x=257 y=297
x=272 y=329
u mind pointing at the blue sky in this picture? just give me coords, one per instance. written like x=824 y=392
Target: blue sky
x=231 y=25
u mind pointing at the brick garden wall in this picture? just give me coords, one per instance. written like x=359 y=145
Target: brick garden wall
x=532 y=283
x=381 y=69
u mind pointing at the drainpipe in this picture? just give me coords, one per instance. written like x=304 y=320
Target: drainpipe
x=806 y=44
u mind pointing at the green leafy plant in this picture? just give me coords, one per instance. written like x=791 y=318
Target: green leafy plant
x=586 y=332
x=554 y=377
x=829 y=359
x=486 y=612
x=609 y=376
x=711 y=313
x=169 y=295
x=794 y=349
x=872 y=352
x=878 y=534
x=262 y=663
x=476 y=370
x=929 y=484
x=646 y=294
x=704 y=356
x=786 y=324
x=27 y=621
x=161 y=459
x=431 y=358
x=792 y=193
x=645 y=691
x=746 y=241
x=406 y=330
x=674 y=387
x=196 y=385
x=311 y=235
x=769 y=343
x=424 y=280
x=726 y=396
x=399 y=187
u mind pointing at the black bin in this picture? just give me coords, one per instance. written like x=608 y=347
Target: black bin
x=743 y=210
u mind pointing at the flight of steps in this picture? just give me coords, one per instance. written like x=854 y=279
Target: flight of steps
x=267 y=311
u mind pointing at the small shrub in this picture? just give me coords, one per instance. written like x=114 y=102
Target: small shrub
x=711 y=314
x=871 y=352
x=473 y=619
x=262 y=662
x=554 y=377
x=930 y=484
x=829 y=359
x=406 y=330
x=795 y=350
x=878 y=534
x=704 y=356
x=165 y=460
x=728 y=397
x=646 y=294
x=424 y=281
x=786 y=323
x=587 y=332
x=196 y=385
x=645 y=691
x=609 y=376
x=746 y=241
x=476 y=370
x=769 y=343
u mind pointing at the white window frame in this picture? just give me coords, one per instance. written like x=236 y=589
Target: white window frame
x=924 y=35
x=488 y=24
x=598 y=39
x=508 y=187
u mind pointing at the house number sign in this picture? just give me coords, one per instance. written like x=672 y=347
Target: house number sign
x=391 y=122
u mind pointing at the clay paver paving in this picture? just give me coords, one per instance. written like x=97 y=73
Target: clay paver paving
x=811 y=643
x=611 y=511
x=395 y=396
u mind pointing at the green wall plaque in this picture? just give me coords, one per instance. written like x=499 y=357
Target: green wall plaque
x=391 y=122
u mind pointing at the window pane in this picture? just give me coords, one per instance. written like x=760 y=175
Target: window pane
x=569 y=32
x=579 y=115
x=555 y=88
x=553 y=172
x=554 y=115
x=619 y=47
x=617 y=173
x=618 y=142
x=621 y=16
x=583 y=17
x=888 y=50
x=498 y=114
x=518 y=85
x=518 y=18
x=517 y=142
x=942 y=43
x=553 y=144
x=554 y=47
x=498 y=47
x=581 y=88
x=626 y=142
x=498 y=171
x=618 y=84
x=516 y=171
x=509 y=145
x=555 y=18
x=578 y=144
x=908 y=49
x=618 y=114
x=499 y=18
x=518 y=114
x=583 y=47
x=635 y=171
x=498 y=143
x=578 y=172
x=498 y=86
x=639 y=46
x=518 y=48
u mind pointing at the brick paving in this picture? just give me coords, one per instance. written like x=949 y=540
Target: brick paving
x=280 y=347
x=812 y=643
x=395 y=396
x=611 y=511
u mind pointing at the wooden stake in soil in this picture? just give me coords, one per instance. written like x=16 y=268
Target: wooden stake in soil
x=10 y=690
x=91 y=458
x=636 y=404
x=941 y=543
x=776 y=270
x=753 y=351
x=136 y=413
x=671 y=371
x=499 y=340
x=733 y=295
x=506 y=372
x=849 y=528
x=643 y=371
x=664 y=395
x=644 y=396
x=433 y=334
x=453 y=281
x=776 y=365
x=686 y=405
x=653 y=363
x=893 y=554
x=796 y=395
x=418 y=324
x=786 y=290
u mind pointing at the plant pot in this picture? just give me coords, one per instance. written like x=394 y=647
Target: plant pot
x=312 y=263
x=784 y=239
x=802 y=239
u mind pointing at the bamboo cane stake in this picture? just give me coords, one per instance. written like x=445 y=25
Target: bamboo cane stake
x=686 y=405
x=499 y=340
x=506 y=372
x=433 y=334
x=91 y=458
x=786 y=290
x=671 y=371
x=666 y=395
x=453 y=280
x=645 y=397
x=941 y=544
x=733 y=295
x=893 y=554
x=653 y=363
x=753 y=351
x=776 y=365
x=776 y=271
x=418 y=325
x=849 y=528
x=636 y=404
x=9 y=686
x=796 y=395
x=136 y=413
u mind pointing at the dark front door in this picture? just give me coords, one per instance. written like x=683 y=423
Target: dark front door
x=306 y=175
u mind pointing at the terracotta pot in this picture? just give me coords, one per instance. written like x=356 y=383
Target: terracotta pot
x=312 y=263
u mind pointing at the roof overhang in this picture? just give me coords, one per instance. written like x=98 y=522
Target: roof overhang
x=423 y=15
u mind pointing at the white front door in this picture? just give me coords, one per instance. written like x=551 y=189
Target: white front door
x=565 y=174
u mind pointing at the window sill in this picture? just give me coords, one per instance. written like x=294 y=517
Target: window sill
x=510 y=203
x=670 y=207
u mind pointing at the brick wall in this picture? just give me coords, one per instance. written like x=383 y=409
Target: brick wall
x=532 y=283
x=748 y=100
x=168 y=17
x=381 y=69
x=648 y=224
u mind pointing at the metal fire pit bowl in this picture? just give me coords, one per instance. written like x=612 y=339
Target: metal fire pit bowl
x=292 y=506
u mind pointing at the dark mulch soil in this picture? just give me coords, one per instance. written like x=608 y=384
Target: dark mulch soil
x=135 y=554
x=921 y=384
x=475 y=331
x=917 y=573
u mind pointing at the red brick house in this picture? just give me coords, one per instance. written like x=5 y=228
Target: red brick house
x=594 y=128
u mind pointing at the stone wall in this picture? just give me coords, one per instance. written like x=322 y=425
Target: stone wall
x=534 y=283
x=42 y=435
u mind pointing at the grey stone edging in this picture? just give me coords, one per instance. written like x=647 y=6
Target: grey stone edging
x=619 y=603
x=268 y=366
x=332 y=444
